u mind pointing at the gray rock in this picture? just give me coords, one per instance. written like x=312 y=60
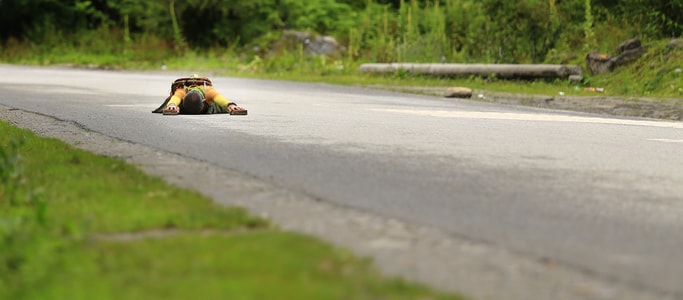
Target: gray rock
x=627 y=52
x=598 y=63
x=675 y=44
x=628 y=45
x=311 y=44
x=458 y=92
x=575 y=78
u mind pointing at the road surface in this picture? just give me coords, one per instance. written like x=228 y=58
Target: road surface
x=519 y=203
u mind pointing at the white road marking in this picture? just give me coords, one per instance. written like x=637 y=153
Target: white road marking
x=532 y=117
x=667 y=141
x=132 y=105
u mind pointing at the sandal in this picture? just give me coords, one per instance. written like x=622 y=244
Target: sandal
x=171 y=112
x=239 y=112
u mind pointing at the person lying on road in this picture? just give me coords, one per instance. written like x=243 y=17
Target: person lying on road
x=196 y=95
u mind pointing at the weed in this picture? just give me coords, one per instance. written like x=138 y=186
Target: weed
x=10 y=170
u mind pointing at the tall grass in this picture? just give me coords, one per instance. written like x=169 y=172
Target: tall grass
x=413 y=33
x=463 y=31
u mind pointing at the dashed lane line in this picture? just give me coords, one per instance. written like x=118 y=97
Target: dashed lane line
x=667 y=141
x=533 y=117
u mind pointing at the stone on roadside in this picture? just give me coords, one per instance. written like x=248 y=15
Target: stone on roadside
x=627 y=52
x=575 y=78
x=675 y=44
x=628 y=45
x=311 y=44
x=458 y=92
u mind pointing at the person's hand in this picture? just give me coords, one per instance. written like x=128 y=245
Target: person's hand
x=233 y=109
x=171 y=109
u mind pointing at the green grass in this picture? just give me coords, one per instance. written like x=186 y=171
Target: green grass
x=74 y=225
x=653 y=75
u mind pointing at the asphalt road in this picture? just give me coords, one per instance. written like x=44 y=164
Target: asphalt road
x=599 y=195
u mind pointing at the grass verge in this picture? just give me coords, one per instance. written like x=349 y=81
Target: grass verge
x=74 y=225
x=656 y=74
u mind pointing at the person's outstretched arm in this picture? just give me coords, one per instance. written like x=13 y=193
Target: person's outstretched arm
x=172 y=107
x=214 y=96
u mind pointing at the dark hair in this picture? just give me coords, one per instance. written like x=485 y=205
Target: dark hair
x=192 y=103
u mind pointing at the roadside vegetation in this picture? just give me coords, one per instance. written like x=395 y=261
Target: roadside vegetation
x=74 y=225
x=240 y=38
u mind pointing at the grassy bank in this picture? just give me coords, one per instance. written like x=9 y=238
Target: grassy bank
x=657 y=74
x=74 y=225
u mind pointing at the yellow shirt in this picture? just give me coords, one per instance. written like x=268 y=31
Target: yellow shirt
x=210 y=96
